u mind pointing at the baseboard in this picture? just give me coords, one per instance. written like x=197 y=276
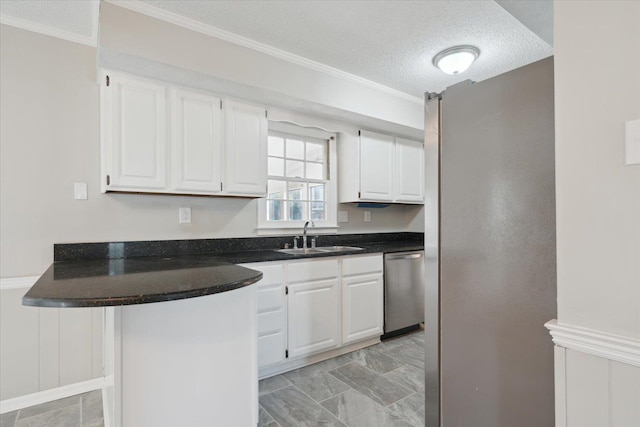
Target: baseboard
x=9 y=405
x=597 y=343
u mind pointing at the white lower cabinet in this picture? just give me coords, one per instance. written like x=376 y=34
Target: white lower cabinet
x=311 y=306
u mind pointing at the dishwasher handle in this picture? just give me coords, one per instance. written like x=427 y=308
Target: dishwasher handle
x=404 y=256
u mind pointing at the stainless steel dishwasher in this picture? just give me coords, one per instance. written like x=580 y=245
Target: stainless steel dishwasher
x=403 y=292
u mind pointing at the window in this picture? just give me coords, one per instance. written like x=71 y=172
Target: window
x=300 y=186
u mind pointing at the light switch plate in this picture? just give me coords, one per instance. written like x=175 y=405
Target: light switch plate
x=184 y=215
x=343 y=216
x=632 y=143
x=80 y=190
x=367 y=216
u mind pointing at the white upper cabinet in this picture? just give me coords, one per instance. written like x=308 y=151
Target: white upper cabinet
x=376 y=166
x=216 y=146
x=409 y=171
x=373 y=167
x=196 y=142
x=135 y=129
x=246 y=149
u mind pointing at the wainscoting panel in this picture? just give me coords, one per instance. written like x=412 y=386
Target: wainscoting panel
x=597 y=378
x=45 y=348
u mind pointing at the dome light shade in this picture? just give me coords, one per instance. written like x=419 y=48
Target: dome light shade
x=457 y=59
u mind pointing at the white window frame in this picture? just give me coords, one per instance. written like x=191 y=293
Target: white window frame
x=330 y=224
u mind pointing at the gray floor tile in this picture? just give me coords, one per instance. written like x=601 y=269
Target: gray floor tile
x=349 y=405
x=408 y=353
x=69 y=416
x=306 y=372
x=8 y=419
x=319 y=386
x=335 y=362
x=272 y=384
x=380 y=417
x=266 y=420
x=91 y=407
x=410 y=408
x=290 y=407
x=370 y=383
x=408 y=376
x=49 y=406
x=376 y=360
x=96 y=423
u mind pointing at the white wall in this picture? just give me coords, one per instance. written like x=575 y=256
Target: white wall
x=597 y=89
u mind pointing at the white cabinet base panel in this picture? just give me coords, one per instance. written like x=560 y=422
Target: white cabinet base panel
x=299 y=362
x=190 y=362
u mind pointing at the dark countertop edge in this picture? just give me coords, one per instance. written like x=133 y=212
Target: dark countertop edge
x=138 y=299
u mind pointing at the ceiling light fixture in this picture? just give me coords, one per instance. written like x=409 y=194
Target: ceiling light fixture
x=457 y=59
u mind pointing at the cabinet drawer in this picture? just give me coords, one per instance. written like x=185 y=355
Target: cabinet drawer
x=313 y=270
x=362 y=265
x=270 y=322
x=271 y=274
x=271 y=349
x=270 y=299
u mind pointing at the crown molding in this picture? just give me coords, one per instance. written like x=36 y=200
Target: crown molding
x=51 y=31
x=597 y=343
x=193 y=25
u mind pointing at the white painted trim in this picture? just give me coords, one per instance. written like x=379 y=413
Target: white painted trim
x=17 y=282
x=560 y=377
x=9 y=405
x=193 y=25
x=601 y=344
x=51 y=31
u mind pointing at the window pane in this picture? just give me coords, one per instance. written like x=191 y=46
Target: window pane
x=315 y=171
x=295 y=149
x=297 y=191
x=318 y=211
x=275 y=210
x=295 y=169
x=297 y=210
x=276 y=146
x=276 y=189
x=275 y=167
x=315 y=152
x=317 y=192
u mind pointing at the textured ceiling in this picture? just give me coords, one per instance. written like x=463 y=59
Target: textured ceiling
x=388 y=42
x=70 y=19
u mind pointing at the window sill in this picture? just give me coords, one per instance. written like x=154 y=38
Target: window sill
x=295 y=230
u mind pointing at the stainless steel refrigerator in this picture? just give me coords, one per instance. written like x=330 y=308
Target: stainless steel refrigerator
x=490 y=251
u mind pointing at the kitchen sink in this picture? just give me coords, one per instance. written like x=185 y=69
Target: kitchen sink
x=339 y=248
x=319 y=250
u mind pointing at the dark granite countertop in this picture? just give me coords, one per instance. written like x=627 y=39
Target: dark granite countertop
x=124 y=273
x=107 y=282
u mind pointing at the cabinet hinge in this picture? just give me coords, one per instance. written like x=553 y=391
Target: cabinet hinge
x=266 y=114
x=286 y=290
x=221 y=104
x=108 y=180
x=107 y=80
x=359 y=133
x=286 y=354
x=358 y=194
x=220 y=186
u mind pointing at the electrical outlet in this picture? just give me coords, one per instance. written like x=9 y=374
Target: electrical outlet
x=367 y=216
x=80 y=190
x=184 y=215
x=343 y=216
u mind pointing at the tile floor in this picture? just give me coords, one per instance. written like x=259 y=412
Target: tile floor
x=381 y=385
x=82 y=410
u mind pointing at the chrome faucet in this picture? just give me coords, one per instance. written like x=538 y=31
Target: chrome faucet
x=304 y=233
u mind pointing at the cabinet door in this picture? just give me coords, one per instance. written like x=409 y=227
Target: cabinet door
x=135 y=134
x=245 y=147
x=376 y=166
x=313 y=310
x=196 y=142
x=362 y=311
x=409 y=171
